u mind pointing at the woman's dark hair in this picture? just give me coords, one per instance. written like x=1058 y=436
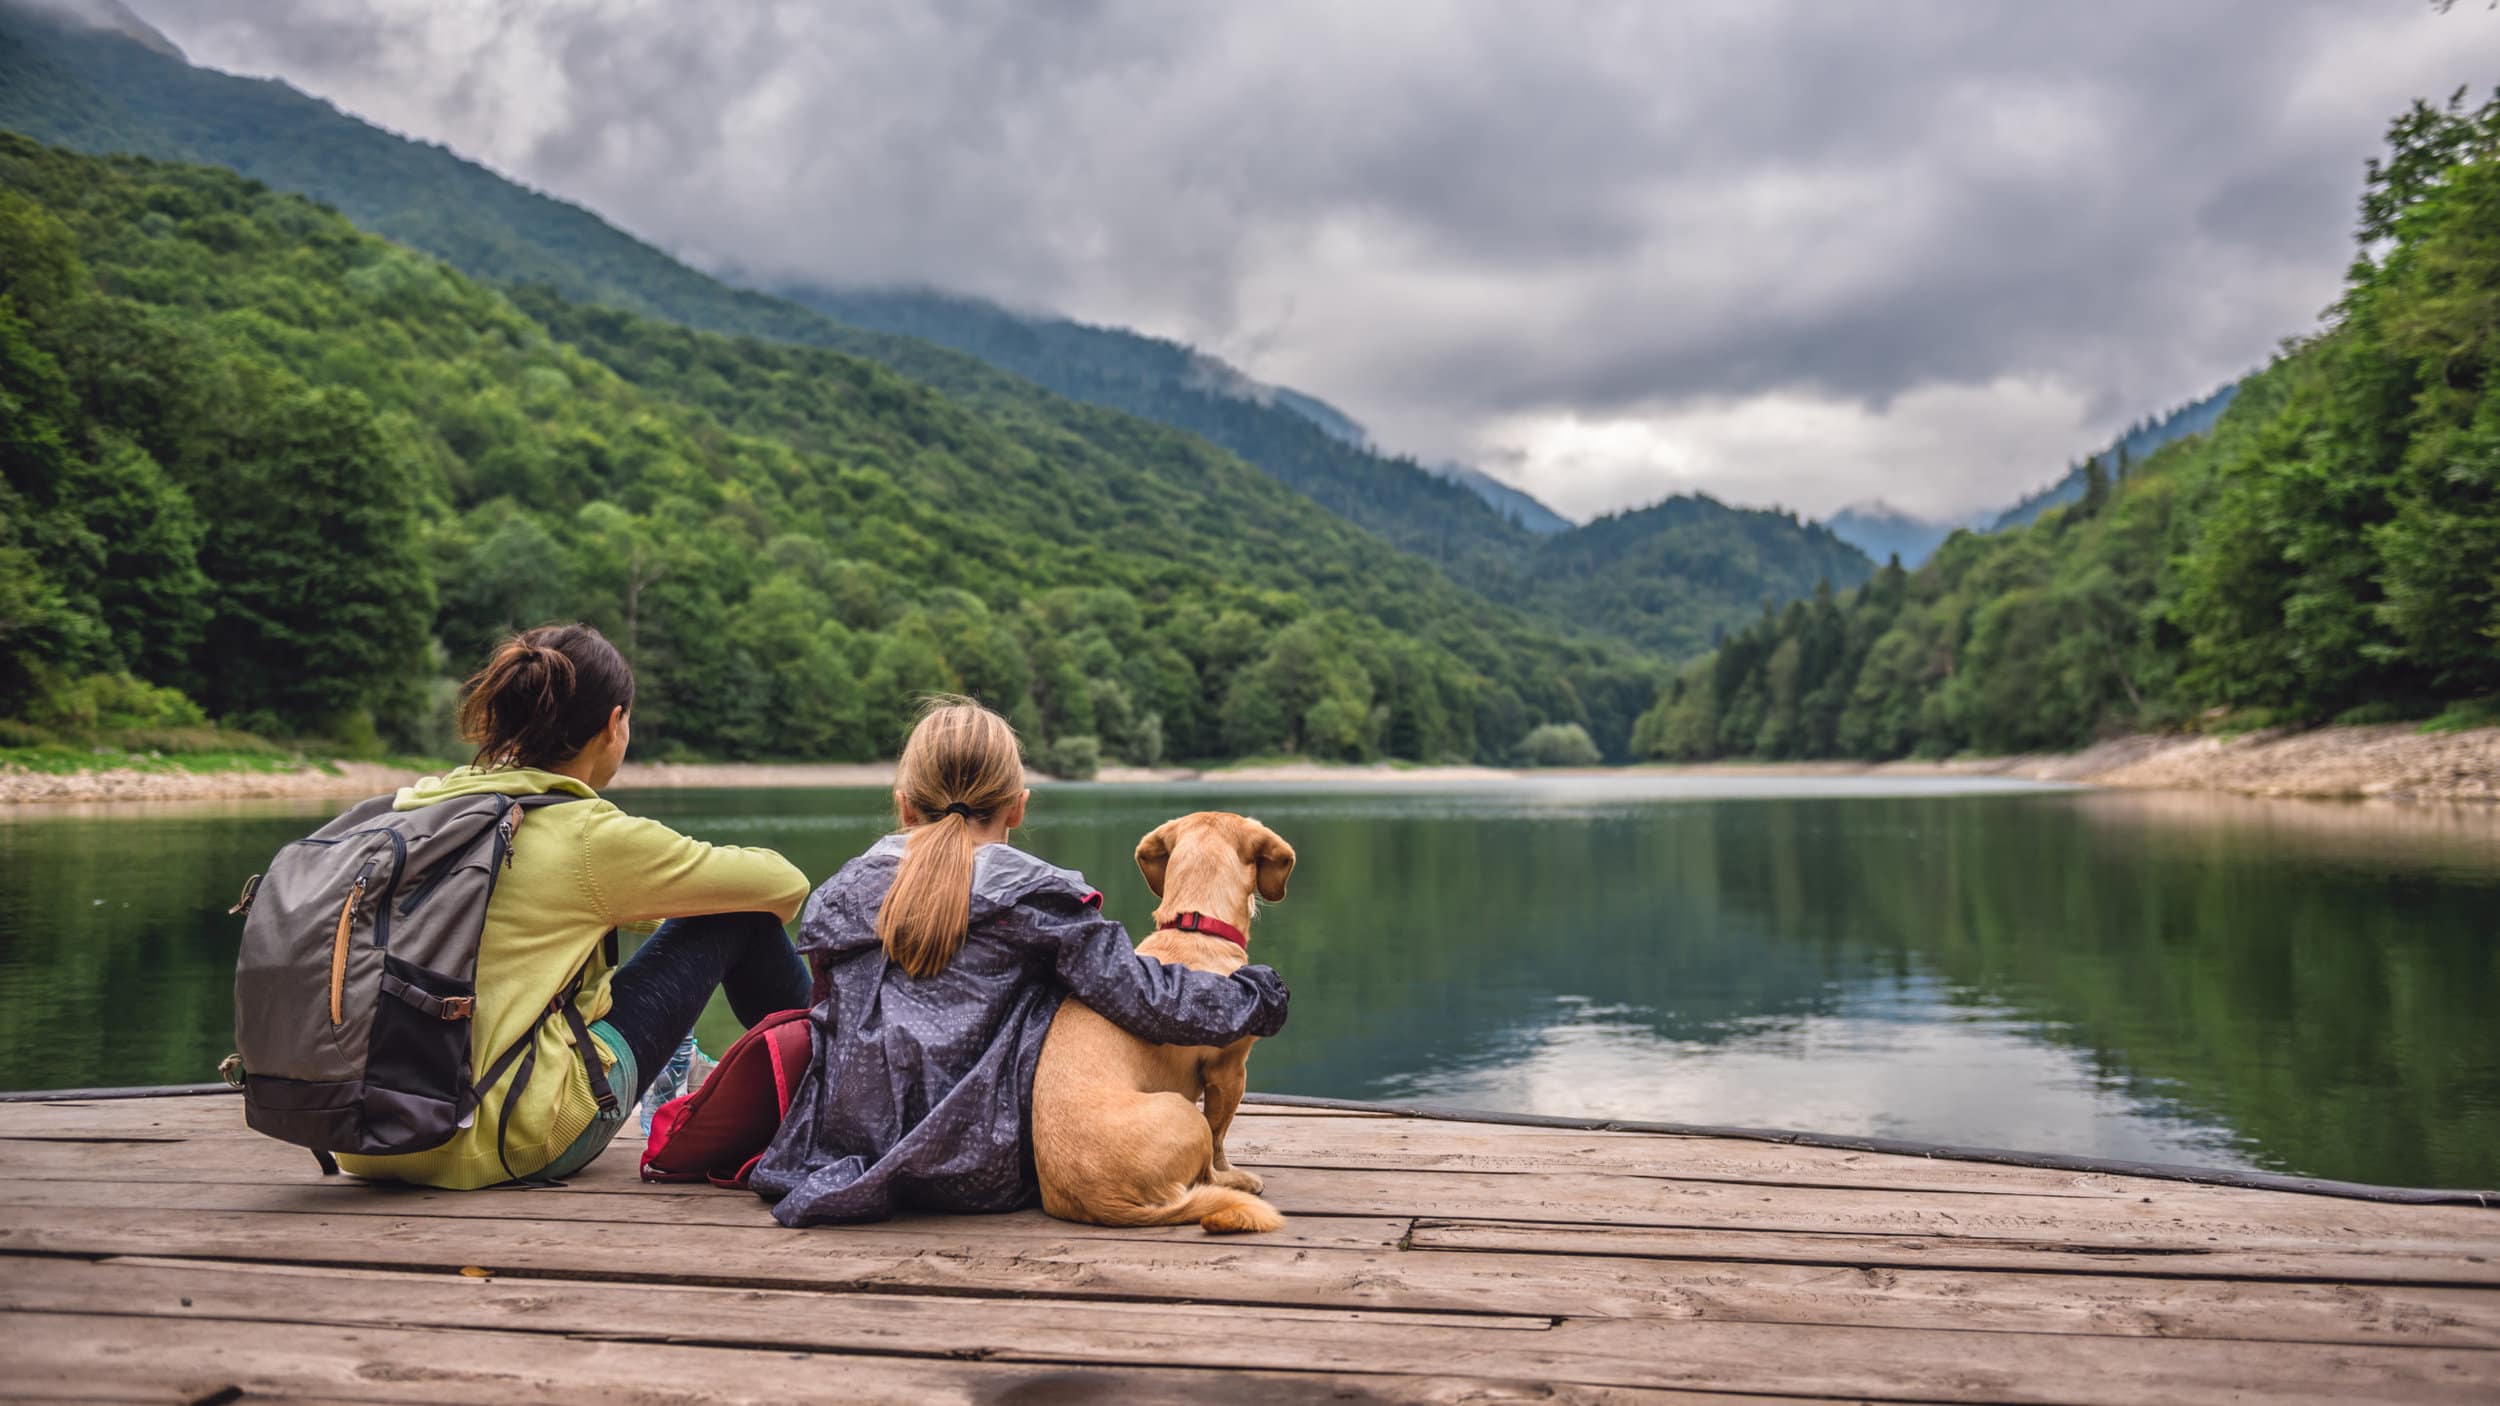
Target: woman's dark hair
x=543 y=696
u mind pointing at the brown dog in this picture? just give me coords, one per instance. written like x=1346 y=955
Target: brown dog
x=1117 y=1133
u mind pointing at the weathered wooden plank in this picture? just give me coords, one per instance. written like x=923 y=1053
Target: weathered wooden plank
x=70 y=1357
x=1350 y=1219
x=2192 y=1217
x=631 y=1205
x=1424 y=1144
x=1875 y=1364
x=2427 y=1267
x=1685 y=1291
x=2164 y=1215
x=1429 y=1144
x=1321 y=1138
x=1019 y=1330
x=1305 y=1137
x=1030 y=1255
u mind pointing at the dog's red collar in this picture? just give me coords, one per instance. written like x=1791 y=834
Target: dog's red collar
x=1212 y=927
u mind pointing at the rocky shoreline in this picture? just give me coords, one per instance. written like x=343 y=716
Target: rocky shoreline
x=2393 y=762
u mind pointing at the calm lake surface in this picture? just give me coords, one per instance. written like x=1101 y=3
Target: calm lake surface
x=2289 y=985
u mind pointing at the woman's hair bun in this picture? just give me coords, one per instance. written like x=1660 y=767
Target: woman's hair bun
x=543 y=696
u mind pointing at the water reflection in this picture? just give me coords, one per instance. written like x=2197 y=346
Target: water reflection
x=1888 y=1060
x=2173 y=978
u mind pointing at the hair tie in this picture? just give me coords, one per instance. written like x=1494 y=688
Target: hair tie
x=958 y=808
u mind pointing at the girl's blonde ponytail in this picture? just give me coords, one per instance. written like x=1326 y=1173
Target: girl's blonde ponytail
x=960 y=767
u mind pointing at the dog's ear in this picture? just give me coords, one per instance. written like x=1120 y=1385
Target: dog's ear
x=1153 y=852
x=1274 y=859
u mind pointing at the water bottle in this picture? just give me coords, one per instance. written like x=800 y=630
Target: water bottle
x=682 y=1075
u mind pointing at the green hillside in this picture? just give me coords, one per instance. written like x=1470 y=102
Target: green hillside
x=2329 y=549
x=1168 y=383
x=101 y=92
x=301 y=475
x=1677 y=575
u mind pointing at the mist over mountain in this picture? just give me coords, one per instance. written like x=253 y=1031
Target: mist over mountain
x=1883 y=531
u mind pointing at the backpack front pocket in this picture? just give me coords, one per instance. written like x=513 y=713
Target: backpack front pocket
x=417 y=1068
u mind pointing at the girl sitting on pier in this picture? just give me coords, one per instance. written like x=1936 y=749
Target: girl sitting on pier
x=940 y=957
x=553 y=712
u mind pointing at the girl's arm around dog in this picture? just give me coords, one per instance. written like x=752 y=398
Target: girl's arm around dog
x=1154 y=1001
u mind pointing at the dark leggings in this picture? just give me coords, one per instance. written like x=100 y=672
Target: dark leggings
x=661 y=990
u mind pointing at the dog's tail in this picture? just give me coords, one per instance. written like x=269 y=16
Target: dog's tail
x=1218 y=1209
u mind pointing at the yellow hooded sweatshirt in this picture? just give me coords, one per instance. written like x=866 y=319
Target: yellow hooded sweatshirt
x=578 y=870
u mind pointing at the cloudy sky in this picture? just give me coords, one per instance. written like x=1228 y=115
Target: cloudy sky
x=1794 y=253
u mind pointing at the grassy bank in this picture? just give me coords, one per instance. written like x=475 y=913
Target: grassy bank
x=184 y=763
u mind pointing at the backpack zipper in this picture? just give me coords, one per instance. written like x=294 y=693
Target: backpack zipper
x=338 y=943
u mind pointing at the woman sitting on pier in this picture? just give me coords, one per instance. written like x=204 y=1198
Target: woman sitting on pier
x=941 y=955
x=553 y=712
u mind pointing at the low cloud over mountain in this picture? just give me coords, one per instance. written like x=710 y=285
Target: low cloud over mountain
x=1786 y=253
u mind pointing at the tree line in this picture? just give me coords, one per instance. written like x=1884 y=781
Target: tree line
x=1660 y=580
x=264 y=469
x=2328 y=551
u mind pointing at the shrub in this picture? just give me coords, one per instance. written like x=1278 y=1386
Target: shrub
x=17 y=734
x=2470 y=713
x=1559 y=744
x=1072 y=758
x=102 y=702
x=194 y=741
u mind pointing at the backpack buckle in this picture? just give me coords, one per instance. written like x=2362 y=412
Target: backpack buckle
x=457 y=1008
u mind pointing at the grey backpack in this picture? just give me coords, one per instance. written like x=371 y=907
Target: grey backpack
x=357 y=983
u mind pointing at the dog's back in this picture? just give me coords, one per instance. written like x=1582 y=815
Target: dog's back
x=1119 y=1137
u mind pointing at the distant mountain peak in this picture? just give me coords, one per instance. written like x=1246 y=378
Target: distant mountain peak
x=111 y=16
x=1881 y=530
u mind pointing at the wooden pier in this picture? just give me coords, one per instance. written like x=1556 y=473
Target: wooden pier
x=153 y=1250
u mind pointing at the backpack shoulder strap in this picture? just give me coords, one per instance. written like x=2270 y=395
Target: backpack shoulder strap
x=525 y=1049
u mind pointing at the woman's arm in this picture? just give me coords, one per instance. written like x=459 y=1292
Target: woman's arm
x=637 y=870
x=1155 y=1001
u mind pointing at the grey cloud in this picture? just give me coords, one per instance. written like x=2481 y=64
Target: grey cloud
x=1442 y=215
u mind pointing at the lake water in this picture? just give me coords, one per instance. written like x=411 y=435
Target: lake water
x=2288 y=985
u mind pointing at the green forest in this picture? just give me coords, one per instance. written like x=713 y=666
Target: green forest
x=1708 y=570
x=267 y=469
x=2328 y=551
x=291 y=475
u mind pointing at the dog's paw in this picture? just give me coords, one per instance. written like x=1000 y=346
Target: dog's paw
x=1240 y=1180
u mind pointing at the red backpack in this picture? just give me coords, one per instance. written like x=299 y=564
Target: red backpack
x=719 y=1132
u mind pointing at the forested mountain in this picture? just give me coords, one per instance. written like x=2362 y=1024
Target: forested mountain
x=1068 y=356
x=267 y=466
x=97 y=91
x=2140 y=441
x=2329 y=549
x=1881 y=531
x=1171 y=384
x=1676 y=575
